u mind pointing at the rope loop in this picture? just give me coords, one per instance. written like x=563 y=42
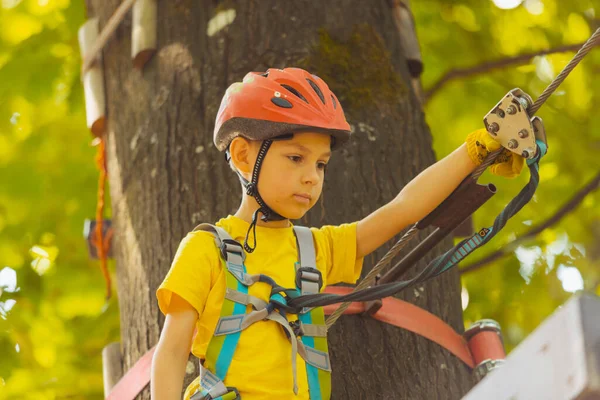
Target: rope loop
x=102 y=243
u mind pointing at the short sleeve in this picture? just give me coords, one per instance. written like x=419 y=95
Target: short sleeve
x=336 y=247
x=192 y=273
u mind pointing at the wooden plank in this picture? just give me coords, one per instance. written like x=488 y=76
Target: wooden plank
x=559 y=360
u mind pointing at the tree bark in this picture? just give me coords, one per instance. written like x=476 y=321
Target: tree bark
x=166 y=176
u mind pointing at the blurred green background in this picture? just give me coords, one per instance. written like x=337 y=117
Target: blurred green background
x=54 y=321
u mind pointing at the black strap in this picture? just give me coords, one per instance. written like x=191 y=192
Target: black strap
x=253 y=229
x=252 y=190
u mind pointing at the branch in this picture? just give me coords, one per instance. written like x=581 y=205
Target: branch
x=565 y=209
x=492 y=65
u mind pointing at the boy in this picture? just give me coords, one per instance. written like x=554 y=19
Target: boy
x=282 y=126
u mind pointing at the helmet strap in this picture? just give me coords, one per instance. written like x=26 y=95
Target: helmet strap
x=252 y=190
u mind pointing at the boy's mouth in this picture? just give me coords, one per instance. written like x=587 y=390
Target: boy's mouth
x=303 y=197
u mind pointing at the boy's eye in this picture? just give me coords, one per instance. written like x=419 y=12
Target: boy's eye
x=298 y=159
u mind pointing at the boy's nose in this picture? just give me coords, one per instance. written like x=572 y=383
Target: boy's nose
x=312 y=176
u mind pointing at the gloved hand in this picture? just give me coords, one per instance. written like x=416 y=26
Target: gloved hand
x=480 y=144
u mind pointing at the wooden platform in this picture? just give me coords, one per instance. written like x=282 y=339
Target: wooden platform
x=560 y=360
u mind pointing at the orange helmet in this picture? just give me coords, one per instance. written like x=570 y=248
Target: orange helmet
x=278 y=102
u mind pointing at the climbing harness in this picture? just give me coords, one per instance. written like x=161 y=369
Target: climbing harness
x=309 y=328
x=480 y=347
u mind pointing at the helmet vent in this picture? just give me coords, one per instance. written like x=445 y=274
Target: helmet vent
x=316 y=89
x=295 y=92
x=281 y=102
x=334 y=102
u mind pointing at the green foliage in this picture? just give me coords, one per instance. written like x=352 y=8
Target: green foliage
x=53 y=320
x=522 y=289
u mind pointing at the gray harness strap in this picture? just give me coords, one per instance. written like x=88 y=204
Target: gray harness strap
x=313 y=330
x=237 y=323
x=304 y=240
x=310 y=281
x=232 y=251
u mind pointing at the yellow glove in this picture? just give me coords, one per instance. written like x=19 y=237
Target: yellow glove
x=480 y=144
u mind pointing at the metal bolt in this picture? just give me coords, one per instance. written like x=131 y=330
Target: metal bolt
x=513 y=144
x=487 y=366
x=493 y=128
x=500 y=113
x=528 y=152
x=523 y=133
x=511 y=110
x=524 y=102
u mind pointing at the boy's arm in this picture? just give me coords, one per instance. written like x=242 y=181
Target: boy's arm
x=173 y=349
x=415 y=201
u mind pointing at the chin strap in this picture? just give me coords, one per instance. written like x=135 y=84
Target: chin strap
x=252 y=190
x=253 y=229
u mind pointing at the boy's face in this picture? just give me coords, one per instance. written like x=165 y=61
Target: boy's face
x=291 y=177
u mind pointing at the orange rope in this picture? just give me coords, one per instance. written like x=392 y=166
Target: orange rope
x=100 y=242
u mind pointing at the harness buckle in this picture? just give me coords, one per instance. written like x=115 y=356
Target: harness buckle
x=297 y=328
x=308 y=274
x=230 y=245
x=231 y=391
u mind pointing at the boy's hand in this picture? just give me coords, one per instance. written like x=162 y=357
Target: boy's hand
x=480 y=144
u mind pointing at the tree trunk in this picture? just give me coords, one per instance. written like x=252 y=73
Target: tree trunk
x=166 y=176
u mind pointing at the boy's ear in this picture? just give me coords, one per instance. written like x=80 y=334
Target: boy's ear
x=241 y=153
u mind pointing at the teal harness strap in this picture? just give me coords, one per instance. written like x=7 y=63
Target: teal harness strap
x=230 y=343
x=467 y=246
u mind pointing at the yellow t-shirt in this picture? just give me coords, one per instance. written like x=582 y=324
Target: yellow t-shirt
x=261 y=366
